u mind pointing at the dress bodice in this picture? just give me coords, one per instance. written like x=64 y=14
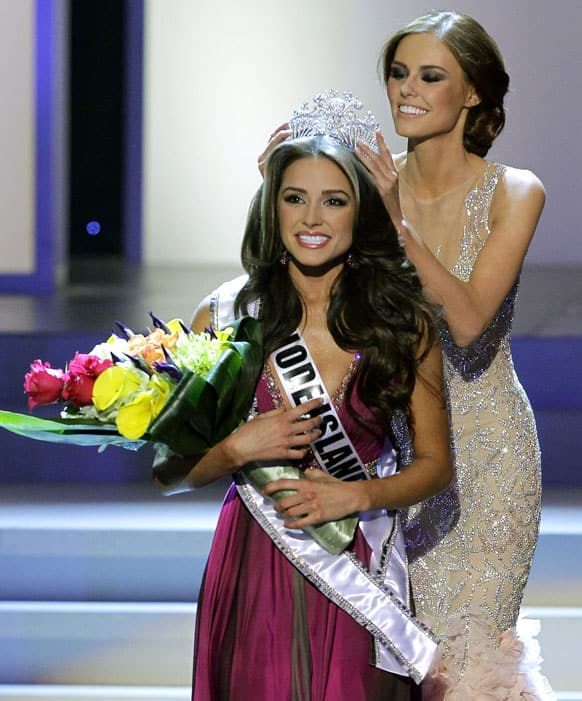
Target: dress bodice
x=456 y=226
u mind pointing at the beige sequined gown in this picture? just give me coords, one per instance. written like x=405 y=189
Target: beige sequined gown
x=471 y=547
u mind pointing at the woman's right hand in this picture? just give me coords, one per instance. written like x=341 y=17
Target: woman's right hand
x=281 y=133
x=281 y=434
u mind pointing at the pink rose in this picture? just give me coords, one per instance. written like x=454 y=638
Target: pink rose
x=82 y=372
x=91 y=365
x=43 y=384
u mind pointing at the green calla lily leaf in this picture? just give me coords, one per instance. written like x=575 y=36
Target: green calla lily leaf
x=81 y=432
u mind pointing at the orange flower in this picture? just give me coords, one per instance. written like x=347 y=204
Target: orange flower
x=150 y=346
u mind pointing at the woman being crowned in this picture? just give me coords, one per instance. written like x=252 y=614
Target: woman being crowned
x=351 y=364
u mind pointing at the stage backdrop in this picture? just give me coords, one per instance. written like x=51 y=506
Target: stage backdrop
x=220 y=76
x=17 y=136
x=33 y=125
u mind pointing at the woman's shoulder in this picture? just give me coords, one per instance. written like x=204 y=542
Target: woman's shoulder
x=519 y=182
x=201 y=317
x=519 y=194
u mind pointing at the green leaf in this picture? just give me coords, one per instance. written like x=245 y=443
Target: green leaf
x=83 y=432
x=203 y=411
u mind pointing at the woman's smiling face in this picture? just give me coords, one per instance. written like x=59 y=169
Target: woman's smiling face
x=316 y=210
x=427 y=89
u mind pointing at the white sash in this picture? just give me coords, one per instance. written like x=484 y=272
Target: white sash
x=376 y=597
x=300 y=378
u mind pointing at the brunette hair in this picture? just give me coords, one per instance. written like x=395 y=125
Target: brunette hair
x=481 y=61
x=377 y=306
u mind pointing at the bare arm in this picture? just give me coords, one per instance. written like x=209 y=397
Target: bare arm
x=276 y=435
x=469 y=306
x=323 y=498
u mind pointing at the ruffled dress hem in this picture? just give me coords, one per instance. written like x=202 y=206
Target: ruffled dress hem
x=508 y=671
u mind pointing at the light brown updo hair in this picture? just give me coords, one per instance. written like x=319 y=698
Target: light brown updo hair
x=480 y=59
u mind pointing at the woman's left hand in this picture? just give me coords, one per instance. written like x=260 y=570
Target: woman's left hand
x=383 y=170
x=316 y=499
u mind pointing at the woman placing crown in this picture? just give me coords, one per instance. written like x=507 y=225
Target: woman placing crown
x=351 y=359
x=474 y=220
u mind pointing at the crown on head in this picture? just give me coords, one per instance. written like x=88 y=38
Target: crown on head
x=336 y=115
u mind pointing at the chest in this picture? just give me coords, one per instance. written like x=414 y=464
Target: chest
x=332 y=362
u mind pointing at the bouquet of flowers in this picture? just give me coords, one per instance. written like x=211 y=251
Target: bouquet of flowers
x=173 y=387
x=180 y=390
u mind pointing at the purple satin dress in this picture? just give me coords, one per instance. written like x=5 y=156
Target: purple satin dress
x=264 y=633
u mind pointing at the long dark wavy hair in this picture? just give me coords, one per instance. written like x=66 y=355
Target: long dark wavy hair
x=481 y=61
x=377 y=306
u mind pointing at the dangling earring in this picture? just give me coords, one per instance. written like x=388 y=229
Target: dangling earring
x=351 y=262
x=285 y=257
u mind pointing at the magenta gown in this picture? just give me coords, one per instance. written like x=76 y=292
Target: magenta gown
x=263 y=632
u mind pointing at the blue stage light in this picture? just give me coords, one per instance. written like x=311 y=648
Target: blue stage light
x=93 y=228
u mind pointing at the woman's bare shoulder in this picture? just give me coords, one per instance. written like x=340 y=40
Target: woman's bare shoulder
x=521 y=183
x=519 y=197
x=201 y=316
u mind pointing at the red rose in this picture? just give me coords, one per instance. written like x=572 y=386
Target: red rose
x=91 y=365
x=81 y=375
x=43 y=384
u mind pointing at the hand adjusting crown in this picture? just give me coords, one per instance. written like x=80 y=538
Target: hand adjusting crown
x=335 y=115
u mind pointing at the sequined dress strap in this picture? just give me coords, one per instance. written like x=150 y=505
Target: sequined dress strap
x=476 y=228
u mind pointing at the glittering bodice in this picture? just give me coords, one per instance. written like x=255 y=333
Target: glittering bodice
x=471 y=546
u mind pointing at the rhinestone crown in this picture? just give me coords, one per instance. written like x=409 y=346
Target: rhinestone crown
x=336 y=115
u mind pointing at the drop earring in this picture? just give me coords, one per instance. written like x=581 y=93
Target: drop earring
x=351 y=262
x=285 y=257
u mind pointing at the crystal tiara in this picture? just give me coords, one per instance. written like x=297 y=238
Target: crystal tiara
x=336 y=115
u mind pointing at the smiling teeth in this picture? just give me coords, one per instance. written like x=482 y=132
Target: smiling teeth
x=313 y=240
x=408 y=109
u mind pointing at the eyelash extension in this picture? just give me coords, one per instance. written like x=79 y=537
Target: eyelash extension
x=401 y=74
x=334 y=201
x=293 y=199
x=432 y=77
x=397 y=73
